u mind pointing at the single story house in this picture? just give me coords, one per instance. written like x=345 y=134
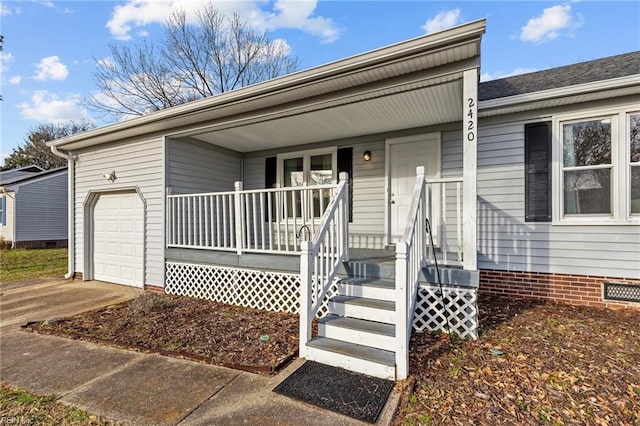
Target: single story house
x=311 y=193
x=33 y=207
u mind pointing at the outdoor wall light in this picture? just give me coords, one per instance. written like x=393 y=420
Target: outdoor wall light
x=366 y=156
x=110 y=176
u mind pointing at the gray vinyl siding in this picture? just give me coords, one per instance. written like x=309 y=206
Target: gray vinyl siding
x=7 y=231
x=507 y=242
x=41 y=209
x=137 y=164
x=197 y=167
x=367 y=230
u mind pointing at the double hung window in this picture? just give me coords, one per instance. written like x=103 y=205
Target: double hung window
x=597 y=171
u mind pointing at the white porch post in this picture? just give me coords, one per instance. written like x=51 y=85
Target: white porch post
x=239 y=215
x=344 y=218
x=469 y=167
x=306 y=275
x=402 y=310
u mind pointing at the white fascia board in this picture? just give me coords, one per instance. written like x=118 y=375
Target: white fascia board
x=580 y=89
x=470 y=32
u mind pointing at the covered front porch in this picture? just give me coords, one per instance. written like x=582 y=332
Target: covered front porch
x=338 y=193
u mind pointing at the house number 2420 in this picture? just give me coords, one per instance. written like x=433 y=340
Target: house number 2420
x=471 y=130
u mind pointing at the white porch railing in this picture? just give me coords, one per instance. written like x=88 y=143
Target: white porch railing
x=411 y=255
x=265 y=220
x=321 y=257
x=444 y=209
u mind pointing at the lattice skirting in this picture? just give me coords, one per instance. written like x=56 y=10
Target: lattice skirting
x=252 y=288
x=280 y=292
x=271 y=291
x=461 y=310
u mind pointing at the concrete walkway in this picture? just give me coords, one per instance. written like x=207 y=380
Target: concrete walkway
x=132 y=387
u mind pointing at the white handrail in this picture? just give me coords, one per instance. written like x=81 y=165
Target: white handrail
x=321 y=257
x=411 y=255
x=444 y=210
x=261 y=220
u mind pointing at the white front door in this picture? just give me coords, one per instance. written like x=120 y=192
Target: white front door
x=118 y=239
x=404 y=155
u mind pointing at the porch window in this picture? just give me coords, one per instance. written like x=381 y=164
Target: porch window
x=308 y=168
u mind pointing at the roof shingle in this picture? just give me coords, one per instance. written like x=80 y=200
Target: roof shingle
x=569 y=75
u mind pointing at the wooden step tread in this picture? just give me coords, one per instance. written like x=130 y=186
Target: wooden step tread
x=368 y=353
x=387 y=305
x=367 y=281
x=374 y=327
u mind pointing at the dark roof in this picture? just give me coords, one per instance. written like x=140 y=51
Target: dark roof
x=569 y=75
x=10 y=177
x=18 y=172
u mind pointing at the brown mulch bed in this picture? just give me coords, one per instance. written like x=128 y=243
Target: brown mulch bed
x=535 y=363
x=232 y=336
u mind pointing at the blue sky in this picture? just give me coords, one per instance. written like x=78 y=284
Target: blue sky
x=50 y=47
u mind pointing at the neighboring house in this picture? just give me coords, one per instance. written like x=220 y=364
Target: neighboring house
x=531 y=188
x=34 y=207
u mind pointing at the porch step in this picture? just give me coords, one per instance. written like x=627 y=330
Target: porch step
x=359 y=331
x=355 y=268
x=372 y=288
x=363 y=308
x=359 y=358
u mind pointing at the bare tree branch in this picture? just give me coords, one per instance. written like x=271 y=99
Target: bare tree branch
x=216 y=54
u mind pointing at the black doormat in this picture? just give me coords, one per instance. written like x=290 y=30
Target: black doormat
x=352 y=394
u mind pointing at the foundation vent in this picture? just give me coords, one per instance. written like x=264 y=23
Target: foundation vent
x=623 y=292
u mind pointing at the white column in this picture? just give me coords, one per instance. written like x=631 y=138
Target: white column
x=239 y=213
x=306 y=275
x=470 y=167
x=401 y=348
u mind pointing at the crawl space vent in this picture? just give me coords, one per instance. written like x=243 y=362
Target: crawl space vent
x=624 y=292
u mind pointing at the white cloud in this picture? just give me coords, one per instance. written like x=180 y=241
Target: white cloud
x=134 y=15
x=486 y=76
x=50 y=68
x=442 y=21
x=4 y=10
x=5 y=59
x=47 y=3
x=16 y=79
x=47 y=106
x=548 y=26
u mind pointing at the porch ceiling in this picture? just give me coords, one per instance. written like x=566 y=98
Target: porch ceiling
x=416 y=104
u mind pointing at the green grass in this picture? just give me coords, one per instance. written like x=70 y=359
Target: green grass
x=20 y=264
x=21 y=407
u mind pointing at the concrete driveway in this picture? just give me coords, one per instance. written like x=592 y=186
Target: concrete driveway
x=44 y=299
x=136 y=388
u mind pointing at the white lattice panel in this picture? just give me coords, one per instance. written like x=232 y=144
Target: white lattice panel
x=461 y=310
x=271 y=291
x=268 y=290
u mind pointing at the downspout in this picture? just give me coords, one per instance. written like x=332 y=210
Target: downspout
x=15 y=217
x=71 y=260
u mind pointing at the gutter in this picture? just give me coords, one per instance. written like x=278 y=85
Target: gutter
x=71 y=256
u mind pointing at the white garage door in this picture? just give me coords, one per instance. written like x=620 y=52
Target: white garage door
x=118 y=239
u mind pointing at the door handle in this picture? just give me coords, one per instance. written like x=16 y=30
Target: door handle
x=391 y=200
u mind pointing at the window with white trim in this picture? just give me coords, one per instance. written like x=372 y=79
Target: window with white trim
x=3 y=210
x=307 y=169
x=598 y=167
